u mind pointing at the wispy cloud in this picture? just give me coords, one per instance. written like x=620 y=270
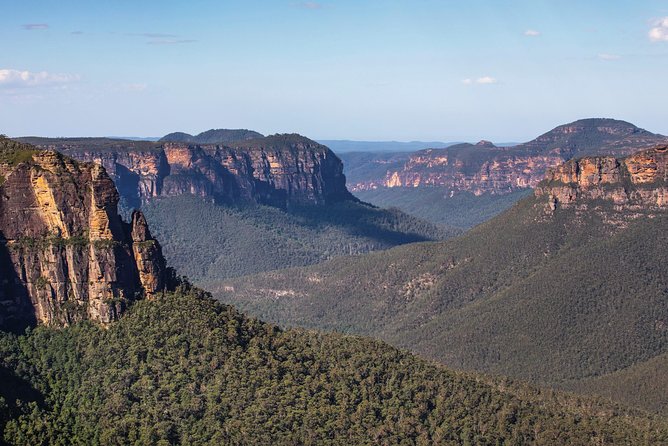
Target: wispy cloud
x=659 y=30
x=308 y=5
x=170 y=41
x=133 y=87
x=155 y=35
x=606 y=56
x=531 y=33
x=35 y=26
x=77 y=33
x=10 y=78
x=484 y=80
x=162 y=38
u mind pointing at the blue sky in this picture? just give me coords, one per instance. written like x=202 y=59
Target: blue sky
x=503 y=70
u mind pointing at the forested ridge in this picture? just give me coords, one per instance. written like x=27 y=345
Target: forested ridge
x=551 y=299
x=186 y=370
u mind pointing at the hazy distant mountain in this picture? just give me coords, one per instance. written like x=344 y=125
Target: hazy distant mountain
x=213 y=136
x=344 y=145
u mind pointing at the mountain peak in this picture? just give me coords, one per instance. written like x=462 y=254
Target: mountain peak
x=485 y=143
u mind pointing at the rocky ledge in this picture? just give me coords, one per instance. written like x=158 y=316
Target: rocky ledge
x=633 y=186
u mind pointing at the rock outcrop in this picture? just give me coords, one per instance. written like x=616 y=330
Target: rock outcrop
x=279 y=170
x=484 y=168
x=620 y=188
x=65 y=253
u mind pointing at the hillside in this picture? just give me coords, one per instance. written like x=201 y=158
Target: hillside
x=567 y=285
x=462 y=210
x=213 y=136
x=185 y=370
x=208 y=242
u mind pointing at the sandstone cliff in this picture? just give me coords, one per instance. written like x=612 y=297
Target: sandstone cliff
x=619 y=188
x=65 y=253
x=484 y=168
x=279 y=170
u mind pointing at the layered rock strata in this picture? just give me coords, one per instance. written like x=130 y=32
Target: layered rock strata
x=280 y=170
x=633 y=186
x=65 y=253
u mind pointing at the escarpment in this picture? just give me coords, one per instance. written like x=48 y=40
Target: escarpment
x=485 y=168
x=477 y=168
x=65 y=253
x=620 y=188
x=279 y=170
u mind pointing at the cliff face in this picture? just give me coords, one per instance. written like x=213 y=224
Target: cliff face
x=280 y=170
x=483 y=168
x=621 y=188
x=478 y=168
x=65 y=253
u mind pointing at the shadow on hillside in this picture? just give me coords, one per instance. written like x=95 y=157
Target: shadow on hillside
x=16 y=310
x=390 y=226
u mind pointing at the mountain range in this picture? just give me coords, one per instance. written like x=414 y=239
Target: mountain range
x=566 y=288
x=175 y=367
x=466 y=184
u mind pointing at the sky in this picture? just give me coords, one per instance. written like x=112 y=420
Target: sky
x=502 y=70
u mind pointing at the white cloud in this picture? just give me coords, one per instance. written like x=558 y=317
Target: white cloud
x=659 y=32
x=35 y=26
x=606 y=56
x=531 y=33
x=484 y=80
x=16 y=78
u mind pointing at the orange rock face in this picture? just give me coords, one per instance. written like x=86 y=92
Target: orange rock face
x=281 y=170
x=637 y=184
x=65 y=253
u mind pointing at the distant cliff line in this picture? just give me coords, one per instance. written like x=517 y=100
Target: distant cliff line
x=280 y=170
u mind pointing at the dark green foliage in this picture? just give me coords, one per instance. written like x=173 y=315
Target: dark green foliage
x=213 y=136
x=552 y=299
x=643 y=385
x=91 y=144
x=185 y=370
x=462 y=210
x=13 y=152
x=206 y=241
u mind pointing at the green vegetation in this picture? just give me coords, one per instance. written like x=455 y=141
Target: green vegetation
x=90 y=144
x=186 y=370
x=213 y=136
x=208 y=242
x=13 y=152
x=643 y=385
x=553 y=299
x=462 y=210
x=58 y=241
